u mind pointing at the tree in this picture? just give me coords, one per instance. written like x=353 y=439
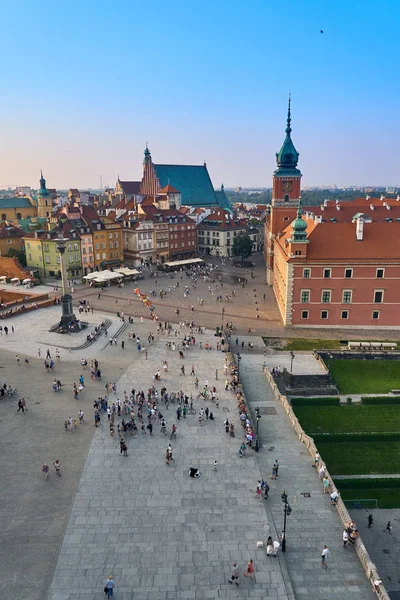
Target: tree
x=242 y=245
x=12 y=253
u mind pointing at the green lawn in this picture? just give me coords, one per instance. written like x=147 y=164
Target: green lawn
x=348 y=419
x=311 y=344
x=387 y=498
x=361 y=458
x=365 y=376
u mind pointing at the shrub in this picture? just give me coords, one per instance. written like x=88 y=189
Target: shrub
x=367 y=483
x=349 y=400
x=323 y=401
x=380 y=399
x=348 y=438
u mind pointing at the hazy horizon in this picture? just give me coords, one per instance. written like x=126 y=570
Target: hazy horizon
x=85 y=86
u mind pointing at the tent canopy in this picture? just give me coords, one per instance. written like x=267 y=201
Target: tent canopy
x=126 y=271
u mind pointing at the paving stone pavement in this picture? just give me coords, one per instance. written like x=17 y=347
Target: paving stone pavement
x=313 y=521
x=160 y=533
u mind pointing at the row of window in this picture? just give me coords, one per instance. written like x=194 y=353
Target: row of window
x=344 y=314
x=103 y=245
x=347 y=296
x=348 y=273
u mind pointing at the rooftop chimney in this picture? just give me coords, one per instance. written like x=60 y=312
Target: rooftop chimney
x=368 y=197
x=382 y=197
x=398 y=198
x=359 y=229
x=372 y=207
x=337 y=206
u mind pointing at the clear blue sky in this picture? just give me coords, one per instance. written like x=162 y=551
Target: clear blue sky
x=85 y=84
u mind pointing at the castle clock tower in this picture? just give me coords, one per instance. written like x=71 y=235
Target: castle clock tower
x=285 y=195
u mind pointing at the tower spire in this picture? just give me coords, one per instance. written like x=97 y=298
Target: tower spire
x=289 y=119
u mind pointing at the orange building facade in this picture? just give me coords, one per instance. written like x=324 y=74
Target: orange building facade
x=334 y=265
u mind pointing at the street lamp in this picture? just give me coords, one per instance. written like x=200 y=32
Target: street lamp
x=239 y=358
x=222 y=322
x=287 y=509
x=258 y=417
x=292 y=357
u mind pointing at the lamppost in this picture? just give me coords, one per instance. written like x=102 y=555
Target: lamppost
x=239 y=358
x=258 y=417
x=287 y=509
x=222 y=321
x=292 y=357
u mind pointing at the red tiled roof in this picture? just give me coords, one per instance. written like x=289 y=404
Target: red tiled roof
x=9 y=231
x=337 y=241
x=169 y=189
x=147 y=201
x=131 y=187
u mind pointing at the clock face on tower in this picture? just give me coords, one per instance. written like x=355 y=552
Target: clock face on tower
x=287 y=186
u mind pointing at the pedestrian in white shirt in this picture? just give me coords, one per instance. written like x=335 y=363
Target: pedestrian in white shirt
x=324 y=556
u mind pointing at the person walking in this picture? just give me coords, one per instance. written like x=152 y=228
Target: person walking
x=235 y=574
x=109 y=587
x=324 y=556
x=20 y=406
x=345 y=538
x=45 y=470
x=250 y=569
x=370 y=521
x=389 y=527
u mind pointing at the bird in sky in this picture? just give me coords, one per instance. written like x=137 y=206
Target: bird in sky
x=321 y=31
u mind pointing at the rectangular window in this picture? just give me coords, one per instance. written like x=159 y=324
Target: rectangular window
x=97 y=246
x=378 y=296
x=110 y=236
x=324 y=314
x=348 y=273
x=116 y=245
x=346 y=297
x=30 y=256
x=111 y=245
x=111 y=254
x=83 y=250
x=75 y=246
x=70 y=258
x=48 y=259
x=304 y=314
x=85 y=259
x=104 y=255
x=103 y=245
x=380 y=273
x=305 y=296
x=89 y=240
x=115 y=235
x=326 y=296
x=76 y=257
x=306 y=273
x=327 y=273
x=58 y=260
x=375 y=314
x=46 y=247
x=344 y=314
x=97 y=256
x=29 y=246
x=9 y=241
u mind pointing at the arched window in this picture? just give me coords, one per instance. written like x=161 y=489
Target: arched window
x=4 y=217
x=19 y=216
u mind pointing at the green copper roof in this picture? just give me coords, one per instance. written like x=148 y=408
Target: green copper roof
x=287 y=157
x=15 y=203
x=223 y=200
x=43 y=192
x=299 y=227
x=192 y=181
